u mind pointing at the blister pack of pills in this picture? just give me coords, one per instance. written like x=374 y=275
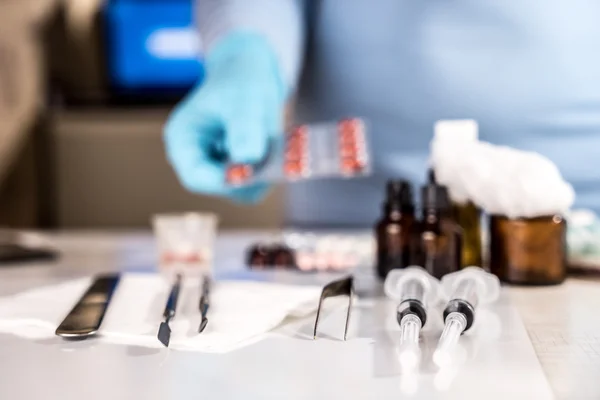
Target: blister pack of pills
x=324 y=150
x=308 y=251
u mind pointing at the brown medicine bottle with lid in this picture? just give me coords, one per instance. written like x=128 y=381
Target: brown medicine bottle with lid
x=439 y=238
x=528 y=251
x=395 y=228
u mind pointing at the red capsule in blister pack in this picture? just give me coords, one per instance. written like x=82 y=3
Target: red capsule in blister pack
x=299 y=132
x=347 y=129
x=238 y=174
x=297 y=141
x=295 y=150
x=294 y=169
x=348 y=150
x=351 y=146
x=352 y=166
x=296 y=155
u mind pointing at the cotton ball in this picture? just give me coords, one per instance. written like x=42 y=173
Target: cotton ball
x=449 y=145
x=543 y=188
x=505 y=181
x=448 y=164
x=481 y=179
x=499 y=179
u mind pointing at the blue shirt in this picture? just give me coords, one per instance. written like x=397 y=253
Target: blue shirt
x=527 y=71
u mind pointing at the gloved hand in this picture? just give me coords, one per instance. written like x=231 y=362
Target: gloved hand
x=229 y=118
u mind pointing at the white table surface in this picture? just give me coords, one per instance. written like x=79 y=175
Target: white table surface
x=563 y=323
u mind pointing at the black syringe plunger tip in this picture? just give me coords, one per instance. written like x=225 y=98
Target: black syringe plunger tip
x=414 y=307
x=462 y=307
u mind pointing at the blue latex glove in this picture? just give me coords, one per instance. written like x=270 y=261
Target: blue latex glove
x=230 y=117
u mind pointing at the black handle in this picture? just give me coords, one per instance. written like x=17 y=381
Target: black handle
x=204 y=297
x=86 y=317
x=172 y=301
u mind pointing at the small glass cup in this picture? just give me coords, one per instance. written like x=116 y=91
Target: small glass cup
x=185 y=242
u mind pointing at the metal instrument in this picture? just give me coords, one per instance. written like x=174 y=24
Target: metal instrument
x=204 y=302
x=341 y=287
x=164 y=331
x=85 y=318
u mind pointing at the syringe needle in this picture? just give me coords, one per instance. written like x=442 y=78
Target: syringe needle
x=455 y=325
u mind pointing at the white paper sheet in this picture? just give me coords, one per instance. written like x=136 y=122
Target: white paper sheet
x=241 y=311
x=496 y=357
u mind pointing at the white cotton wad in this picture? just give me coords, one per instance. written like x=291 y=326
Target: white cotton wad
x=499 y=179
x=451 y=141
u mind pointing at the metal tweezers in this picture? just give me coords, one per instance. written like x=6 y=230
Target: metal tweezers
x=341 y=287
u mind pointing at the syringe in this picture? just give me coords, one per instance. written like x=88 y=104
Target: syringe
x=415 y=289
x=467 y=289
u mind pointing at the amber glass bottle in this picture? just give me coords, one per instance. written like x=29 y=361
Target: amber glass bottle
x=395 y=228
x=468 y=217
x=528 y=251
x=439 y=238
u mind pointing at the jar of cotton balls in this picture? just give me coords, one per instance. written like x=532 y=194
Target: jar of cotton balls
x=524 y=194
x=529 y=251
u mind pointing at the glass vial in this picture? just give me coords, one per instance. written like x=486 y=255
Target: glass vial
x=395 y=228
x=529 y=251
x=439 y=239
x=468 y=217
x=258 y=256
x=283 y=257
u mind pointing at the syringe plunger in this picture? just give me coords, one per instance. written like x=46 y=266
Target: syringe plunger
x=467 y=289
x=409 y=352
x=456 y=324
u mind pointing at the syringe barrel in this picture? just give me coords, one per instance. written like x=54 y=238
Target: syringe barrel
x=466 y=290
x=412 y=300
x=464 y=300
x=413 y=290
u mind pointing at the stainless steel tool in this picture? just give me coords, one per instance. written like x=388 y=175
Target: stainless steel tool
x=164 y=331
x=204 y=302
x=341 y=287
x=85 y=318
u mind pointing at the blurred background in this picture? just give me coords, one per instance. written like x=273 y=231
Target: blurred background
x=85 y=88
